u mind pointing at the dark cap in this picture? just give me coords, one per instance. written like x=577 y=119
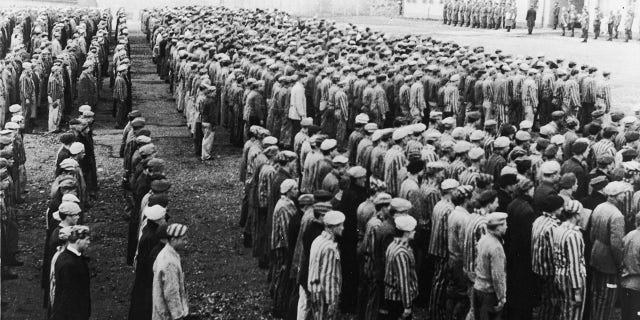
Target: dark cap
x=552 y=203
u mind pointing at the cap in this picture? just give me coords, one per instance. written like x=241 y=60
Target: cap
x=525 y=124
x=287 y=185
x=14 y=126
x=476 y=135
x=174 y=230
x=371 y=127
x=147 y=149
x=490 y=123
x=305 y=122
x=449 y=184
x=76 y=148
x=617 y=187
x=523 y=136
x=269 y=141
x=605 y=159
x=160 y=185
x=382 y=198
x=599 y=182
x=68 y=164
x=501 y=142
x=84 y=108
x=340 y=159
x=496 y=218
x=579 y=146
x=155 y=212
x=400 y=133
x=405 y=223
x=70 y=198
x=357 y=172
x=362 y=118
x=14 y=108
x=628 y=120
x=550 y=167
x=400 y=204
x=476 y=153
x=69 y=208
x=552 y=203
x=573 y=206
x=328 y=144
x=306 y=199
x=333 y=218
x=462 y=147
x=629 y=136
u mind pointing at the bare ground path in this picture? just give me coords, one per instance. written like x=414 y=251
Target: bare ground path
x=223 y=280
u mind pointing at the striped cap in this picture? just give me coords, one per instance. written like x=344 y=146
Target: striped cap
x=176 y=230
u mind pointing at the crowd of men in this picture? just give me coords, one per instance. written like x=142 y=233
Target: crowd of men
x=381 y=172
x=48 y=59
x=570 y=19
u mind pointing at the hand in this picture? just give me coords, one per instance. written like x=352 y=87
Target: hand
x=500 y=305
x=27 y=101
x=406 y=314
x=577 y=296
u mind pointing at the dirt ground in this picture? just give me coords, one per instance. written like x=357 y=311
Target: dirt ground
x=223 y=280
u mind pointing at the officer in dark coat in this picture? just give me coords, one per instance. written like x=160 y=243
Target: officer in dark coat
x=72 y=298
x=352 y=197
x=531 y=18
x=520 y=277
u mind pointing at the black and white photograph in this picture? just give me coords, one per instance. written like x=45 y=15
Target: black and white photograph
x=320 y=159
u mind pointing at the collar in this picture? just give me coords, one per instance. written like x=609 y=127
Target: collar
x=76 y=252
x=328 y=235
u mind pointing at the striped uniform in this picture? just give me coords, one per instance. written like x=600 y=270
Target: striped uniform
x=400 y=278
x=265 y=180
x=414 y=147
x=469 y=176
x=285 y=209
x=429 y=154
x=377 y=160
x=542 y=261
x=474 y=230
x=431 y=196
x=601 y=148
x=438 y=250
x=454 y=169
x=325 y=277
x=394 y=160
x=568 y=254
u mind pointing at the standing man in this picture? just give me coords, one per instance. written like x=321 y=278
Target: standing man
x=120 y=96
x=606 y=232
x=584 y=23
x=628 y=23
x=531 y=18
x=556 y=15
x=630 y=280
x=401 y=280
x=169 y=294
x=325 y=276
x=490 y=285
x=72 y=280
x=597 y=22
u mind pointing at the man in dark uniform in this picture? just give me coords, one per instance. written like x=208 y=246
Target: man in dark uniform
x=531 y=18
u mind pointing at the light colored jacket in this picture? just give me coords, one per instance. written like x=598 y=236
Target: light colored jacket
x=169 y=294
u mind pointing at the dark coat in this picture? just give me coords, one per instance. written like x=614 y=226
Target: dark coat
x=531 y=17
x=517 y=242
x=579 y=168
x=72 y=294
x=348 y=243
x=313 y=231
x=141 y=296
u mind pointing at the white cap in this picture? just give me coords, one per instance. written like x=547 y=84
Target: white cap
x=333 y=218
x=287 y=185
x=405 y=223
x=155 y=212
x=328 y=144
x=76 y=148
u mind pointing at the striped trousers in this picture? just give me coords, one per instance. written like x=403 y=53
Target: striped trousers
x=548 y=310
x=320 y=309
x=604 y=289
x=438 y=298
x=568 y=307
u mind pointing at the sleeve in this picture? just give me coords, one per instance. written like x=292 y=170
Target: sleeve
x=170 y=282
x=498 y=272
x=329 y=268
x=615 y=239
x=574 y=247
x=401 y=264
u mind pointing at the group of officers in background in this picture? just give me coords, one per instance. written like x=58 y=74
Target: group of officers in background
x=386 y=172
x=610 y=24
x=502 y=15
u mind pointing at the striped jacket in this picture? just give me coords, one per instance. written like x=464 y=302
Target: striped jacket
x=438 y=241
x=469 y=176
x=394 y=160
x=400 y=278
x=325 y=272
x=368 y=246
x=474 y=230
x=285 y=209
x=568 y=255
x=541 y=244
